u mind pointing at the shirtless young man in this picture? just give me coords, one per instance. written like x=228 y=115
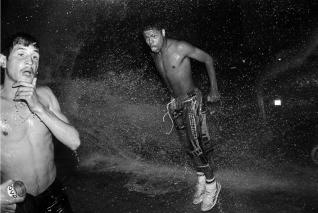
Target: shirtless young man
x=30 y=117
x=172 y=60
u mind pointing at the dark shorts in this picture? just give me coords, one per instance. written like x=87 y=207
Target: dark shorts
x=53 y=199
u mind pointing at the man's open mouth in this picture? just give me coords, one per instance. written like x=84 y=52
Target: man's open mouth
x=27 y=73
x=153 y=48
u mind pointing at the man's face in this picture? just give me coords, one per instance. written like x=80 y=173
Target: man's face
x=23 y=63
x=154 y=39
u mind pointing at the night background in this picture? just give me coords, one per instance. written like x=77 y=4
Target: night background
x=95 y=60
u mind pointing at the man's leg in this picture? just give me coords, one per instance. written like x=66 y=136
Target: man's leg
x=205 y=177
x=206 y=192
x=198 y=166
x=212 y=187
x=188 y=125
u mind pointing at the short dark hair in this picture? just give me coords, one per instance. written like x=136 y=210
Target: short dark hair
x=153 y=24
x=20 y=38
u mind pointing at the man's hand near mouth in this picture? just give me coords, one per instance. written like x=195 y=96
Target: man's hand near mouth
x=27 y=92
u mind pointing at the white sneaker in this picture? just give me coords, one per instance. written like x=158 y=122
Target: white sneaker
x=210 y=196
x=199 y=190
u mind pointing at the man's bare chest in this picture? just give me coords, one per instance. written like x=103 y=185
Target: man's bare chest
x=17 y=121
x=172 y=67
x=169 y=61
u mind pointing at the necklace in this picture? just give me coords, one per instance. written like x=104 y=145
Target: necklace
x=19 y=108
x=19 y=116
x=11 y=120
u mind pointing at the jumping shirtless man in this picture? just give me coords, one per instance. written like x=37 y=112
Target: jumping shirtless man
x=30 y=116
x=172 y=60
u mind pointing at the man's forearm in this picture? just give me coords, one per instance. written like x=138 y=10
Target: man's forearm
x=63 y=131
x=212 y=76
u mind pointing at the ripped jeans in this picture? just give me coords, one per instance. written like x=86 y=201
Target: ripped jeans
x=190 y=122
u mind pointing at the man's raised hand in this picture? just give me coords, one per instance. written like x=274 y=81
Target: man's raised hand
x=27 y=92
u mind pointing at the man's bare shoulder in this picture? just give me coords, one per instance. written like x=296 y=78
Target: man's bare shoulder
x=183 y=46
x=44 y=90
x=45 y=93
x=174 y=43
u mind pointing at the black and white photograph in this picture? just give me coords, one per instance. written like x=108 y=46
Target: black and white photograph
x=152 y=106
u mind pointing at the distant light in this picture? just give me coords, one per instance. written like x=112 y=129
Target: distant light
x=279 y=59
x=277 y=102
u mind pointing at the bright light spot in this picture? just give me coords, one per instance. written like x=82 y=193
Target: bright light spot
x=277 y=102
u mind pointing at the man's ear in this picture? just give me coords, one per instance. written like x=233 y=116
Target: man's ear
x=163 y=31
x=3 y=61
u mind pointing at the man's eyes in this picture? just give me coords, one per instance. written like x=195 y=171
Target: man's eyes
x=22 y=54
x=152 y=37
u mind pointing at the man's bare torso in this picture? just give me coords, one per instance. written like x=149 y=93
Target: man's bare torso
x=26 y=147
x=174 y=67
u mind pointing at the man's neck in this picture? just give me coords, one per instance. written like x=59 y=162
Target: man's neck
x=164 y=46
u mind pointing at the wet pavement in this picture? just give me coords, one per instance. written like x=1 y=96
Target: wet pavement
x=98 y=190
x=105 y=192
x=125 y=166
